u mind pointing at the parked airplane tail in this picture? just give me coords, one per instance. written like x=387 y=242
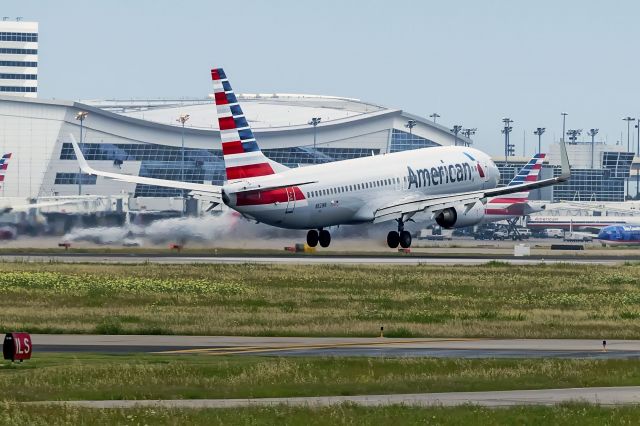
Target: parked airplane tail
x=242 y=155
x=4 y=163
x=529 y=173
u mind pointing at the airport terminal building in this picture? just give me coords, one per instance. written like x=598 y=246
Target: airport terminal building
x=143 y=137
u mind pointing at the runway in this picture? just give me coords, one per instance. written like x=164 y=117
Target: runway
x=601 y=396
x=317 y=259
x=340 y=347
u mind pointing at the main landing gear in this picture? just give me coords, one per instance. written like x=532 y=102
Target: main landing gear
x=322 y=236
x=400 y=237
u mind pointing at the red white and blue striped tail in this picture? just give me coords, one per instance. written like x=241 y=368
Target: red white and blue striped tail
x=529 y=173
x=242 y=156
x=4 y=163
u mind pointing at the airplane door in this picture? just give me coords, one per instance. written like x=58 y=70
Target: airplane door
x=291 y=200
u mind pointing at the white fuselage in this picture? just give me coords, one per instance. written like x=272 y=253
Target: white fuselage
x=350 y=191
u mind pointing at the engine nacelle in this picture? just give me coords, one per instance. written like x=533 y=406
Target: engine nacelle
x=459 y=216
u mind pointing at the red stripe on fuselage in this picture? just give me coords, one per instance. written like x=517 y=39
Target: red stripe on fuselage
x=234 y=147
x=507 y=200
x=250 y=170
x=226 y=123
x=270 y=196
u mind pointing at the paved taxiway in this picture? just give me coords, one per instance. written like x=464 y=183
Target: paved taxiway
x=314 y=260
x=328 y=346
x=602 y=396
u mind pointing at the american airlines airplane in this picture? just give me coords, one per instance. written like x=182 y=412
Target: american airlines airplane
x=450 y=184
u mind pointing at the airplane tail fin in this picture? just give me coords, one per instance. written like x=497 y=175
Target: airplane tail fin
x=242 y=155
x=4 y=163
x=529 y=173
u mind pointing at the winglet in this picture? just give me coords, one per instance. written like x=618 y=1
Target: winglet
x=84 y=166
x=564 y=162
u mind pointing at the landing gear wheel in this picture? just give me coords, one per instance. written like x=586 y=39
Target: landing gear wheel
x=324 y=238
x=312 y=238
x=393 y=239
x=405 y=239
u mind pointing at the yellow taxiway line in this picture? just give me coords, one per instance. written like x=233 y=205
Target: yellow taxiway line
x=234 y=350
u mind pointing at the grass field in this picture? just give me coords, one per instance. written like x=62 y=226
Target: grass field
x=569 y=414
x=88 y=377
x=495 y=300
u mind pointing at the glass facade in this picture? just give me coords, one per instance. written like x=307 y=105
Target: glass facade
x=606 y=184
x=18 y=89
x=617 y=163
x=11 y=51
x=18 y=76
x=28 y=37
x=18 y=64
x=73 y=178
x=589 y=185
x=403 y=141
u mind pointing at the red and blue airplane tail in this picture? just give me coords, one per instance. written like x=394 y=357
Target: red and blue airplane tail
x=242 y=155
x=4 y=163
x=529 y=173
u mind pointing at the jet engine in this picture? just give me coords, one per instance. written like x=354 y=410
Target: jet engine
x=460 y=216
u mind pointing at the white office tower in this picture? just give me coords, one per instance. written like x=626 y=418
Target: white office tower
x=19 y=58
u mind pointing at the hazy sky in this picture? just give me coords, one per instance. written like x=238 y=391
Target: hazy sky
x=473 y=62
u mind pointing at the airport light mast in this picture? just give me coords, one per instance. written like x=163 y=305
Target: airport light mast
x=539 y=132
x=183 y=119
x=505 y=131
x=434 y=116
x=637 y=153
x=410 y=125
x=573 y=135
x=81 y=115
x=456 y=129
x=314 y=122
x=467 y=133
x=593 y=133
x=628 y=120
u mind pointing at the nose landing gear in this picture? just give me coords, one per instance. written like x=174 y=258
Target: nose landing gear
x=322 y=236
x=401 y=237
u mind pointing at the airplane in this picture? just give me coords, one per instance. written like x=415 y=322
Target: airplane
x=582 y=223
x=449 y=183
x=628 y=235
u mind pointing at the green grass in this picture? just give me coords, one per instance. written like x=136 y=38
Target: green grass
x=495 y=300
x=88 y=377
x=566 y=414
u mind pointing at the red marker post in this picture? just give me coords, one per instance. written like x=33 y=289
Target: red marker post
x=17 y=346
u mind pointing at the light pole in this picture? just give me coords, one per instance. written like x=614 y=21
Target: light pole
x=564 y=118
x=314 y=122
x=456 y=129
x=410 y=125
x=538 y=132
x=573 y=135
x=628 y=120
x=637 y=153
x=182 y=119
x=81 y=115
x=506 y=130
x=467 y=133
x=593 y=133
x=434 y=116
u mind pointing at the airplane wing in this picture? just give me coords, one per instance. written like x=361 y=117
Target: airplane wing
x=56 y=203
x=405 y=209
x=213 y=192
